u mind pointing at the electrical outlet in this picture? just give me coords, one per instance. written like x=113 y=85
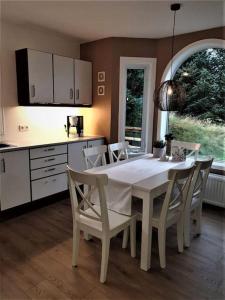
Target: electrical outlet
x=23 y=128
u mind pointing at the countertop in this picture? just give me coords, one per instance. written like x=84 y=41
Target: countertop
x=15 y=145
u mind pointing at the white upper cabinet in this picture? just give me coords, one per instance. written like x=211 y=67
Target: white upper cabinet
x=63 y=79
x=15 y=178
x=83 y=82
x=40 y=77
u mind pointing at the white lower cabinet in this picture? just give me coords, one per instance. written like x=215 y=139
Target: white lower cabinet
x=32 y=174
x=15 y=179
x=95 y=143
x=75 y=156
x=48 y=186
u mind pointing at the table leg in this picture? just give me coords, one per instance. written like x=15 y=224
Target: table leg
x=146 y=238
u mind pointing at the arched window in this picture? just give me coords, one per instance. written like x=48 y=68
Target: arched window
x=200 y=68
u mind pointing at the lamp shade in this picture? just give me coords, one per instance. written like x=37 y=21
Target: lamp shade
x=170 y=96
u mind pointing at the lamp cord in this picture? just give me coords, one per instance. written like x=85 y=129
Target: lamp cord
x=172 y=46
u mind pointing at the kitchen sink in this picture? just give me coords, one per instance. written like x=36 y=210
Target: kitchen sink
x=5 y=145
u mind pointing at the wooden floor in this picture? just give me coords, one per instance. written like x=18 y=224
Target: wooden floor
x=35 y=253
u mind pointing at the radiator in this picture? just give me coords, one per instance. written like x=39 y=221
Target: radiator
x=215 y=190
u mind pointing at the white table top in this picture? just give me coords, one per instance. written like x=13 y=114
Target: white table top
x=145 y=171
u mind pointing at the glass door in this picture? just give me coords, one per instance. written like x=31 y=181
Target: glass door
x=135 y=119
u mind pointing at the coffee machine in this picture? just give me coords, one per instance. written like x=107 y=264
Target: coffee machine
x=75 y=121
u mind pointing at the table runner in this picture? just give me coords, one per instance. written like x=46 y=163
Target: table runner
x=123 y=176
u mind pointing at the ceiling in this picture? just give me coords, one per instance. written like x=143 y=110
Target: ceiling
x=92 y=20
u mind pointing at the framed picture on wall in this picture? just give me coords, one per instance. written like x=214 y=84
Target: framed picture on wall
x=101 y=76
x=101 y=90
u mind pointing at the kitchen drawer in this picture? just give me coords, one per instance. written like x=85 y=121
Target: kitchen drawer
x=47 y=151
x=48 y=161
x=49 y=186
x=49 y=171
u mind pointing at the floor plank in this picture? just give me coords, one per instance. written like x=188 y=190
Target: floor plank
x=35 y=257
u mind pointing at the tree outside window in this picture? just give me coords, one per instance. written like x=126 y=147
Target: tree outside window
x=202 y=118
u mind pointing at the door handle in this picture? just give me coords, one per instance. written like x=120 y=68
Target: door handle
x=77 y=94
x=71 y=93
x=3 y=165
x=33 y=90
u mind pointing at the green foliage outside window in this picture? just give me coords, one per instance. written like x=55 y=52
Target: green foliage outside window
x=202 y=118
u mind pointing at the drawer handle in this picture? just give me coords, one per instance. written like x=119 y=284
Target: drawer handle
x=54 y=180
x=49 y=170
x=49 y=149
x=50 y=159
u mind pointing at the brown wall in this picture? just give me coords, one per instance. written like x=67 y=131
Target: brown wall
x=130 y=48
x=105 y=55
x=100 y=54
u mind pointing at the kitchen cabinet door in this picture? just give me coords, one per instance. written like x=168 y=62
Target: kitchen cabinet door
x=63 y=79
x=96 y=143
x=83 y=82
x=40 y=77
x=75 y=156
x=15 y=179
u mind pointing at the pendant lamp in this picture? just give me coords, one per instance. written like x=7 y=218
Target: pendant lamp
x=170 y=96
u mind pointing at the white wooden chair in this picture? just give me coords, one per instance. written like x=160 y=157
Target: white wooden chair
x=193 y=208
x=169 y=210
x=192 y=147
x=95 y=156
x=97 y=220
x=118 y=151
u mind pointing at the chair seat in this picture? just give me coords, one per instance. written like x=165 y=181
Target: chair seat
x=115 y=219
x=157 y=208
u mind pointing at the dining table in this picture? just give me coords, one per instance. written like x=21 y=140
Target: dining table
x=147 y=178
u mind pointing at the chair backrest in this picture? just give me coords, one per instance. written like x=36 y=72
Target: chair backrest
x=95 y=155
x=94 y=183
x=118 y=151
x=199 y=180
x=177 y=191
x=193 y=147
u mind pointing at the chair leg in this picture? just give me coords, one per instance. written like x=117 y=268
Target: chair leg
x=133 y=237
x=187 y=230
x=125 y=238
x=162 y=247
x=198 y=219
x=180 y=235
x=105 y=258
x=76 y=242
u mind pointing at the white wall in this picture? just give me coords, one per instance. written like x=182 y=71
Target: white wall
x=43 y=122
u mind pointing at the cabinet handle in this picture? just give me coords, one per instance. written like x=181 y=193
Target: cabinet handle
x=84 y=147
x=3 y=165
x=71 y=93
x=49 y=170
x=54 y=180
x=77 y=94
x=33 y=90
x=50 y=159
x=49 y=149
